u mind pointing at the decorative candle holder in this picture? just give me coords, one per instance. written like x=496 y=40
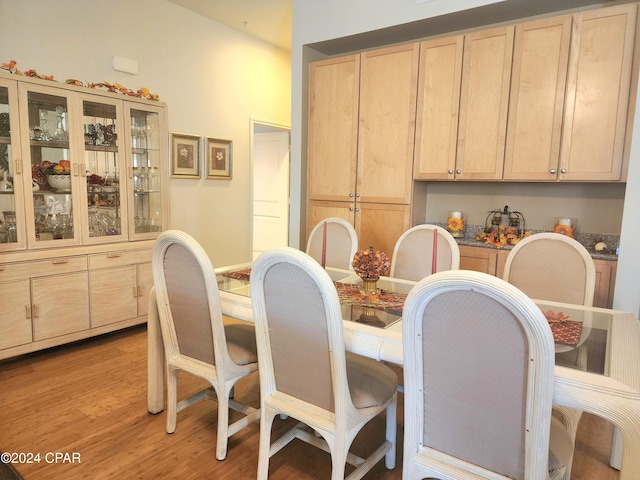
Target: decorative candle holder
x=456 y=223
x=565 y=226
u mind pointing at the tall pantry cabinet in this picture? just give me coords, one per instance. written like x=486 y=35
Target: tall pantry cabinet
x=83 y=195
x=360 y=146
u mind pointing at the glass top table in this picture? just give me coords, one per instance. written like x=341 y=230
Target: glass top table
x=581 y=334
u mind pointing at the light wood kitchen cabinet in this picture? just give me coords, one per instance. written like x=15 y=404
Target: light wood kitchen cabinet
x=361 y=137
x=439 y=77
x=484 y=101
x=479 y=259
x=377 y=224
x=388 y=89
x=334 y=87
x=538 y=80
x=605 y=283
x=597 y=98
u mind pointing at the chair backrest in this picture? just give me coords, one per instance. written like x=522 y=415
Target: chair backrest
x=188 y=300
x=298 y=324
x=551 y=266
x=478 y=366
x=413 y=253
x=341 y=243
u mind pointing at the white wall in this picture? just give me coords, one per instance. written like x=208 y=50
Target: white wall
x=214 y=79
x=333 y=19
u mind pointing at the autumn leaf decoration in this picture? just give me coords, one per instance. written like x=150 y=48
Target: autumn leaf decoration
x=553 y=317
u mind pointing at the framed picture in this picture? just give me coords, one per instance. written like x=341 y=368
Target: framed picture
x=219 y=159
x=185 y=156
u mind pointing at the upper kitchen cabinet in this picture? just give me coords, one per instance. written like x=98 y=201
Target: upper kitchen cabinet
x=439 y=77
x=334 y=87
x=597 y=98
x=538 y=81
x=388 y=89
x=484 y=102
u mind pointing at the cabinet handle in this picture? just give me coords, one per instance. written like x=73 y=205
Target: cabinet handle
x=113 y=255
x=1 y=268
x=450 y=172
x=140 y=290
x=552 y=171
x=357 y=195
x=34 y=309
x=75 y=169
x=563 y=170
x=18 y=163
x=357 y=209
x=130 y=172
x=135 y=291
x=59 y=261
x=351 y=195
x=458 y=171
x=351 y=209
x=27 y=312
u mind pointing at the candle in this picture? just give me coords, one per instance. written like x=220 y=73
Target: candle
x=434 y=253
x=456 y=215
x=324 y=244
x=564 y=221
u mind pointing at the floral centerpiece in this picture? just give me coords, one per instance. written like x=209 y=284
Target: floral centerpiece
x=370 y=265
x=502 y=236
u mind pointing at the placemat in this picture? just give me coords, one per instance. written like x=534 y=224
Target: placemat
x=385 y=300
x=565 y=331
x=239 y=274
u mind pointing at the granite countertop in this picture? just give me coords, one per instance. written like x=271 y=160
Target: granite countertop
x=588 y=240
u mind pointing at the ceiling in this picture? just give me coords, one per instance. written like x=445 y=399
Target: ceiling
x=267 y=20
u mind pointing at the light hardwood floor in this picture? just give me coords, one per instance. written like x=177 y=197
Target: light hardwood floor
x=89 y=398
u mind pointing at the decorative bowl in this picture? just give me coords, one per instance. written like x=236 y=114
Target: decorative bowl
x=59 y=182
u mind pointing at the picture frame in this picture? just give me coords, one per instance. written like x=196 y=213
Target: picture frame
x=219 y=159
x=185 y=156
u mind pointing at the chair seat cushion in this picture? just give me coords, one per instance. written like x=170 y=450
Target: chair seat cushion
x=371 y=382
x=241 y=343
x=560 y=445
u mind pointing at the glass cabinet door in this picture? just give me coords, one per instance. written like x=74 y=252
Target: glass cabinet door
x=147 y=213
x=12 y=231
x=54 y=166
x=104 y=169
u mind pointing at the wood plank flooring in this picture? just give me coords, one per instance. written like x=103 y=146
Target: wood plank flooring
x=89 y=398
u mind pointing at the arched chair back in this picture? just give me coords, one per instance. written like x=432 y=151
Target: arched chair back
x=305 y=372
x=341 y=243
x=478 y=366
x=413 y=253
x=195 y=339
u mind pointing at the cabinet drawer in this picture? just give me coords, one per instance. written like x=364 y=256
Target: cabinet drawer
x=117 y=259
x=42 y=268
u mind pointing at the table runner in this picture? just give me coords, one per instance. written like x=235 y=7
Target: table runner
x=565 y=331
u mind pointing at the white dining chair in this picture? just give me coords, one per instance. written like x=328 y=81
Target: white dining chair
x=341 y=243
x=555 y=267
x=413 y=257
x=195 y=339
x=478 y=363
x=305 y=372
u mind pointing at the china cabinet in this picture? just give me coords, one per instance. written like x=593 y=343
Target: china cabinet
x=88 y=195
x=361 y=136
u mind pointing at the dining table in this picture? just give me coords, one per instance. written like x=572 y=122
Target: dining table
x=597 y=366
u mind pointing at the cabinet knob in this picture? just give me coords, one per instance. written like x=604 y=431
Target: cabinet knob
x=357 y=195
x=450 y=172
x=563 y=170
x=458 y=171
x=552 y=171
x=357 y=209
x=351 y=209
x=351 y=195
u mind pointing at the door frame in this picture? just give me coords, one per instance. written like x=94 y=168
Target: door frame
x=264 y=126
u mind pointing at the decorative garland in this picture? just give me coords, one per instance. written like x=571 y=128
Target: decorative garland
x=144 y=92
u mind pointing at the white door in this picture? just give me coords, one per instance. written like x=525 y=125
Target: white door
x=270 y=190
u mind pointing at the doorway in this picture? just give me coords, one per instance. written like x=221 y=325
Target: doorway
x=270 y=161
